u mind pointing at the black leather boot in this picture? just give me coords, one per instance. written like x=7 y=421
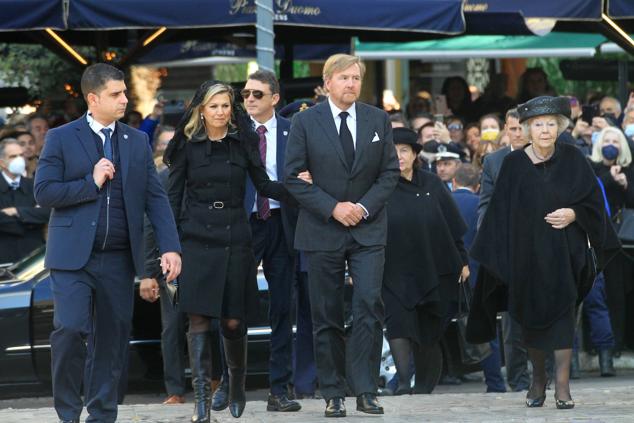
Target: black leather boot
x=236 y=356
x=606 y=363
x=574 y=366
x=200 y=363
x=220 y=397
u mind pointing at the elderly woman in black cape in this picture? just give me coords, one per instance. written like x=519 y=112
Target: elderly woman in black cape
x=209 y=158
x=424 y=259
x=533 y=245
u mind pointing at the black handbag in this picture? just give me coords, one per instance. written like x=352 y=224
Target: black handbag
x=170 y=288
x=588 y=274
x=469 y=353
x=624 y=225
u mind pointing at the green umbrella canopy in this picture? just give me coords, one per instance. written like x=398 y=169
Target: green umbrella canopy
x=555 y=44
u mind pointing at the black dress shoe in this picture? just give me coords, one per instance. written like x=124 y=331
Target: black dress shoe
x=368 y=403
x=69 y=421
x=281 y=403
x=335 y=408
x=606 y=363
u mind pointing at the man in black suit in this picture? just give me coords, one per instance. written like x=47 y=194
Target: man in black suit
x=347 y=147
x=272 y=231
x=21 y=221
x=515 y=354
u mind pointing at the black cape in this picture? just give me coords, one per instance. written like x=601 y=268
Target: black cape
x=528 y=267
x=424 y=243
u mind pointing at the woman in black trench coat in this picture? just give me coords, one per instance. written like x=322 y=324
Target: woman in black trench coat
x=424 y=258
x=533 y=243
x=213 y=151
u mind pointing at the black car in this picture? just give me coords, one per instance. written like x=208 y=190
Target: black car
x=26 y=322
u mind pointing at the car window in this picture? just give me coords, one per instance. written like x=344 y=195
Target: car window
x=29 y=266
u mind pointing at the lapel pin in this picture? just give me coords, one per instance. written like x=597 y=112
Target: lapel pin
x=125 y=136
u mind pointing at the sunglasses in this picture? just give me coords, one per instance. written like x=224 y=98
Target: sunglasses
x=455 y=127
x=258 y=94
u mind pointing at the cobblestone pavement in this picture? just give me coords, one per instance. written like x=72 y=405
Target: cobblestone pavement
x=599 y=403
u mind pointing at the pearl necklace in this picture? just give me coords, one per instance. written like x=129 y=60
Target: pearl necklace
x=543 y=159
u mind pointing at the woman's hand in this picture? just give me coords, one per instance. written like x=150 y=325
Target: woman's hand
x=618 y=177
x=305 y=176
x=464 y=275
x=561 y=218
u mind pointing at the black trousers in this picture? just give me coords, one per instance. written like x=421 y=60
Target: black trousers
x=269 y=246
x=358 y=358
x=89 y=343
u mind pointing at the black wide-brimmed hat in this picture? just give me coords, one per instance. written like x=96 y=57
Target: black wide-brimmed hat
x=544 y=105
x=407 y=136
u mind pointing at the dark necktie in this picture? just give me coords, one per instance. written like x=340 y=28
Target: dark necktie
x=346 y=139
x=107 y=144
x=15 y=185
x=264 y=207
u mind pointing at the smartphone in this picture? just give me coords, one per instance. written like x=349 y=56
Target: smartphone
x=588 y=112
x=439 y=118
x=440 y=101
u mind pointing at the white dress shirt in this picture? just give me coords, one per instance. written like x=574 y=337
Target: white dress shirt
x=351 y=121
x=9 y=180
x=271 y=156
x=97 y=127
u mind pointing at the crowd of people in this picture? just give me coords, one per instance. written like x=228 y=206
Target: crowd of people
x=520 y=199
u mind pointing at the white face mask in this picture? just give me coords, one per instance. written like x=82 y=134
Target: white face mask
x=17 y=166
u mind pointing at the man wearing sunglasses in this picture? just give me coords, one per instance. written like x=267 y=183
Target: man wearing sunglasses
x=272 y=232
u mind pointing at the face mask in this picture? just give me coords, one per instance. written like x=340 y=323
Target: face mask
x=610 y=152
x=489 y=134
x=430 y=146
x=17 y=166
x=594 y=137
x=629 y=130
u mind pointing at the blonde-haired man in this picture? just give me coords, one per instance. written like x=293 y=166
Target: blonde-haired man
x=347 y=147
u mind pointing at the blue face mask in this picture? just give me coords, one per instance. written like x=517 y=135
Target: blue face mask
x=610 y=152
x=629 y=130
x=595 y=137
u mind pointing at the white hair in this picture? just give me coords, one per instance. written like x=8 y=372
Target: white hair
x=562 y=125
x=625 y=155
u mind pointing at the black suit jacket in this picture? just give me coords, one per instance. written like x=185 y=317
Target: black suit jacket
x=21 y=234
x=490 y=169
x=314 y=145
x=289 y=211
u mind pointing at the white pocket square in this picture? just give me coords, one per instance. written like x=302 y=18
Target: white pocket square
x=376 y=138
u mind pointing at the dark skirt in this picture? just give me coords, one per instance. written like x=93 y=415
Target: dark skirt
x=558 y=336
x=211 y=288
x=424 y=323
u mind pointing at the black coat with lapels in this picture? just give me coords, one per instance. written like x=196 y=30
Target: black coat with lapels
x=216 y=240
x=21 y=234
